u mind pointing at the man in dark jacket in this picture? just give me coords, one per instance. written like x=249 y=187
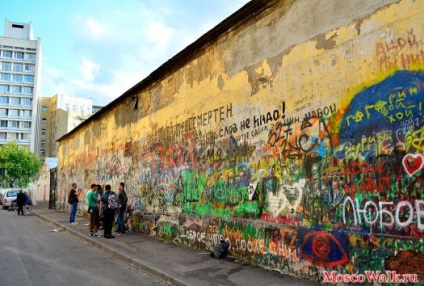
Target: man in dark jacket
x=20 y=200
x=122 y=201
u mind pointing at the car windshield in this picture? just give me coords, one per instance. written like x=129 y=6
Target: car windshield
x=1 y=196
x=12 y=194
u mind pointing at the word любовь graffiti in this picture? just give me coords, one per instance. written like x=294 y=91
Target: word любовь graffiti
x=381 y=213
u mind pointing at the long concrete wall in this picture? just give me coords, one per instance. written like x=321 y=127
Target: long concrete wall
x=296 y=135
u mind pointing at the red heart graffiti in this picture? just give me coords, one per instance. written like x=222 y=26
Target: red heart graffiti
x=413 y=163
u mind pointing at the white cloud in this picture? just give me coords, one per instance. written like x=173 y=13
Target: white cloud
x=159 y=36
x=89 y=69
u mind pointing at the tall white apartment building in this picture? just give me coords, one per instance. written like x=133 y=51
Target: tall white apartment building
x=20 y=66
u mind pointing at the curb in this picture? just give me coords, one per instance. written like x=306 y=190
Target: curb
x=124 y=258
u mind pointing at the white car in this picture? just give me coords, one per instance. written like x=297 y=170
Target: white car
x=9 y=200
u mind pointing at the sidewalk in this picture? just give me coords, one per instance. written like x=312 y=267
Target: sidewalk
x=177 y=265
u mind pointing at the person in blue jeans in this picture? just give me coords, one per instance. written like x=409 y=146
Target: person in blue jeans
x=73 y=201
x=122 y=207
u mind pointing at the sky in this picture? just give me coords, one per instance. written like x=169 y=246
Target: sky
x=99 y=49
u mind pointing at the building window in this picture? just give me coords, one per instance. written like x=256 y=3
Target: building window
x=17 y=77
x=30 y=56
x=17 y=67
x=4 y=88
x=13 y=113
x=43 y=131
x=27 y=90
x=13 y=124
x=43 y=143
x=44 y=108
x=29 y=67
x=3 y=112
x=19 y=55
x=29 y=78
x=15 y=89
x=7 y=54
x=26 y=113
x=43 y=121
x=25 y=124
x=15 y=101
x=43 y=152
x=3 y=123
x=26 y=101
x=3 y=135
x=6 y=66
x=5 y=76
x=4 y=100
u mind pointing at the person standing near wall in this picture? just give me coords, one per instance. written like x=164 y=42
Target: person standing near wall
x=93 y=210
x=108 y=214
x=73 y=201
x=20 y=200
x=122 y=206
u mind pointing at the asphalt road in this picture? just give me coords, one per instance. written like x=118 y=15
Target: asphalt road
x=32 y=254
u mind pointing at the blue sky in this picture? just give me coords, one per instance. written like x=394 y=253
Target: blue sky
x=100 y=48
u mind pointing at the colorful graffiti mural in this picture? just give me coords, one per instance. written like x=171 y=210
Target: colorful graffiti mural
x=330 y=178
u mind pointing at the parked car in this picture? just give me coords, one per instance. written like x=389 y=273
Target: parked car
x=9 y=199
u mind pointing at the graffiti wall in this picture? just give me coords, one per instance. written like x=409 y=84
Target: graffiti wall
x=299 y=142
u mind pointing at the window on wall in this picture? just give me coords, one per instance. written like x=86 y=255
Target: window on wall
x=29 y=67
x=4 y=88
x=17 y=77
x=14 y=113
x=4 y=100
x=15 y=89
x=26 y=113
x=13 y=124
x=43 y=131
x=3 y=123
x=3 y=135
x=29 y=78
x=43 y=121
x=30 y=56
x=25 y=124
x=18 y=67
x=3 y=112
x=44 y=108
x=43 y=143
x=7 y=54
x=5 y=76
x=15 y=101
x=6 y=66
x=26 y=101
x=27 y=90
x=19 y=55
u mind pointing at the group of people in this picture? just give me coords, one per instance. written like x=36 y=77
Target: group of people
x=102 y=207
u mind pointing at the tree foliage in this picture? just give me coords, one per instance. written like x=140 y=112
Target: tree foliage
x=18 y=166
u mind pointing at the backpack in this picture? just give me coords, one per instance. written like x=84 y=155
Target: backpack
x=112 y=201
x=221 y=250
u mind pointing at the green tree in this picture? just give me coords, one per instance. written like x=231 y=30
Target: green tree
x=18 y=166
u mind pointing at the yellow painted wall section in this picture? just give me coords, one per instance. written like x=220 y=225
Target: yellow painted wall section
x=303 y=148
